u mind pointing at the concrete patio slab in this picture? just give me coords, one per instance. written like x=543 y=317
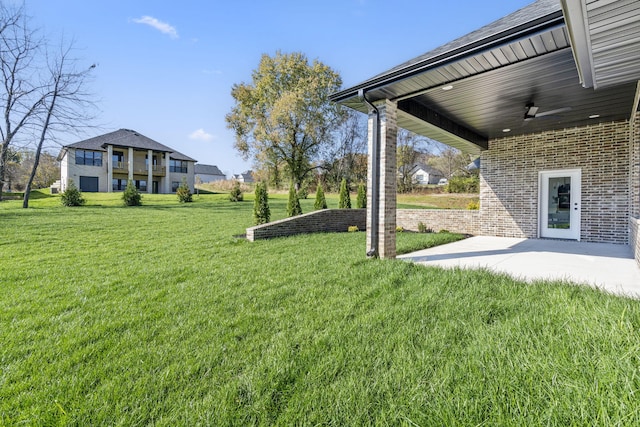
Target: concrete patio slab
x=606 y=266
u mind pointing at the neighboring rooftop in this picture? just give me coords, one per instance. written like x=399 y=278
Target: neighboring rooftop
x=126 y=138
x=207 y=170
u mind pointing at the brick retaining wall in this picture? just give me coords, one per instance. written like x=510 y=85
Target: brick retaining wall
x=453 y=220
x=325 y=220
x=339 y=220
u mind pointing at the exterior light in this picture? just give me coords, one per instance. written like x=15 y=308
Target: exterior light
x=594 y=116
x=506 y=130
x=447 y=87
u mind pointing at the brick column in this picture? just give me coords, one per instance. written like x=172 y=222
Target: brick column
x=385 y=244
x=634 y=166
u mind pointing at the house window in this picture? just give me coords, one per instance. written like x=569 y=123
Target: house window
x=88 y=158
x=179 y=166
x=118 y=184
x=118 y=160
x=175 y=185
x=141 y=184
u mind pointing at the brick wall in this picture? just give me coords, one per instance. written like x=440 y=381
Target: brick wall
x=509 y=180
x=339 y=220
x=454 y=220
x=634 y=218
x=634 y=227
x=325 y=220
x=635 y=168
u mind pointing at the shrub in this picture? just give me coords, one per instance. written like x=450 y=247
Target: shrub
x=361 y=201
x=321 y=201
x=443 y=231
x=293 y=207
x=461 y=184
x=261 y=211
x=353 y=229
x=399 y=229
x=473 y=205
x=236 y=193
x=345 y=198
x=184 y=193
x=131 y=196
x=422 y=228
x=72 y=196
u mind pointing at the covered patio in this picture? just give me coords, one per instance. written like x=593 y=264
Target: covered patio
x=547 y=97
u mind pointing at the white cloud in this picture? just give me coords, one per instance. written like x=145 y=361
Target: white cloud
x=201 y=135
x=163 y=27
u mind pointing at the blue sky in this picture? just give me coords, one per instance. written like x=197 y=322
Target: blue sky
x=166 y=68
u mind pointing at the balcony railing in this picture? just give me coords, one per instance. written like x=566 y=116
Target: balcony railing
x=139 y=168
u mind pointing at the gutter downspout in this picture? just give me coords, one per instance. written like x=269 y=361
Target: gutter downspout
x=375 y=169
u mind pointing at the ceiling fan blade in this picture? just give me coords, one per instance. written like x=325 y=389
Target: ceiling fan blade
x=552 y=112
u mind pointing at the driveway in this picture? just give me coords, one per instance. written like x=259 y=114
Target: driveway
x=606 y=266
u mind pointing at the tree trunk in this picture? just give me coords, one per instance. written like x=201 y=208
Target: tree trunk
x=43 y=134
x=4 y=151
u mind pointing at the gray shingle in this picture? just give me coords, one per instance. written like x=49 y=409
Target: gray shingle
x=126 y=138
x=207 y=170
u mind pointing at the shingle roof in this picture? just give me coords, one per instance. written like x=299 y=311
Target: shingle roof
x=207 y=170
x=126 y=138
x=532 y=12
x=529 y=16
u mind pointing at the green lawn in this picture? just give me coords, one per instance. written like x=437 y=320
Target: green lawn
x=158 y=315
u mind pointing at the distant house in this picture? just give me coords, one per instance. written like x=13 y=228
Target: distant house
x=246 y=177
x=208 y=173
x=421 y=174
x=107 y=162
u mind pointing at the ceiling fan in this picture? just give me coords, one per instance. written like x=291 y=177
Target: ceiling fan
x=531 y=112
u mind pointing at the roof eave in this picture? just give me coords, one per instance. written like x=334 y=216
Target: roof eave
x=578 y=29
x=498 y=39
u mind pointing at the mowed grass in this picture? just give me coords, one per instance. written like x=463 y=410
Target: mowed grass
x=158 y=315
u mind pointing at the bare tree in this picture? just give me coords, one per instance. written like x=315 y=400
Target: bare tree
x=39 y=92
x=65 y=104
x=344 y=157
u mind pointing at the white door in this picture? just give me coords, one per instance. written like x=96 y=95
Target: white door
x=560 y=204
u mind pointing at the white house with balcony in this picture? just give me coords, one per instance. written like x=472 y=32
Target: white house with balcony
x=107 y=162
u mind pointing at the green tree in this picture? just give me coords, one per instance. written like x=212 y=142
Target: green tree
x=293 y=206
x=131 y=196
x=321 y=201
x=261 y=211
x=361 y=202
x=284 y=115
x=345 y=198
x=183 y=192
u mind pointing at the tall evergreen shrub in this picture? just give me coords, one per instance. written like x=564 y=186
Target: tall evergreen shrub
x=345 y=198
x=361 y=202
x=131 y=196
x=261 y=211
x=72 y=196
x=236 y=193
x=183 y=192
x=321 y=201
x=293 y=207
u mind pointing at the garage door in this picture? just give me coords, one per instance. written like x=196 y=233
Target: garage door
x=89 y=184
